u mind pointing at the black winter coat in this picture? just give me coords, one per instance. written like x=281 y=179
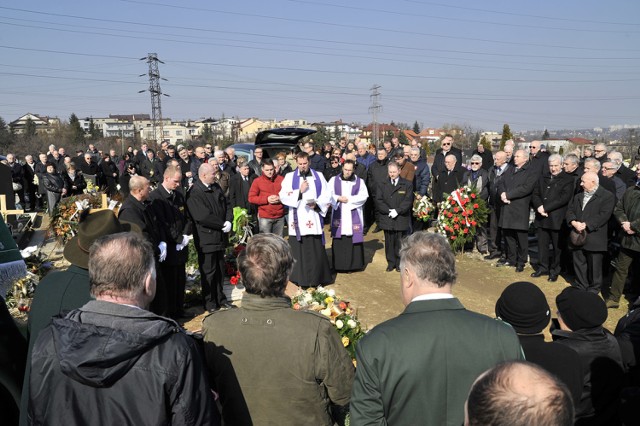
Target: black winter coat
x=447 y=183
x=169 y=211
x=76 y=185
x=519 y=188
x=400 y=198
x=554 y=195
x=142 y=215
x=239 y=193
x=110 y=364
x=494 y=183
x=602 y=366
x=596 y=215
x=208 y=211
x=628 y=210
x=438 y=161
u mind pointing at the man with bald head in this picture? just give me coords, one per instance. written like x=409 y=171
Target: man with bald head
x=449 y=179
x=496 y=173
x=589 y=212
x=518 y=393
x=211 y=217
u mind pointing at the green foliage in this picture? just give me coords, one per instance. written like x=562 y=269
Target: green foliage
x=94 y=132
x=506 y=135
x=29 y=129
x=321 y=137
x=545 y=135
x=77 y=133
x=561 y=151
x=416 y=127
x=486 y=143
x=388 y=135
x=336 y=133
x=6 y=137
x=207 y=133
x=402 y=138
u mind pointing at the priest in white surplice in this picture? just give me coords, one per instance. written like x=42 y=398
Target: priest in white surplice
x=306 y=194
x=348 y=195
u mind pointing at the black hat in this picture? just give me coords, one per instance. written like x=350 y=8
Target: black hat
x=94 y=226
x=524 y=306
x=581 y=309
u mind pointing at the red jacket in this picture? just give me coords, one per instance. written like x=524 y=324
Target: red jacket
x=261 y=188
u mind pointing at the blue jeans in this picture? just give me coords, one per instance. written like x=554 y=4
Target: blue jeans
x=273 y=226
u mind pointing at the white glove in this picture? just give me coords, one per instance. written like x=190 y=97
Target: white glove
x=184 y=243
x=393 y=213
x=163 y=250
x=226 y=227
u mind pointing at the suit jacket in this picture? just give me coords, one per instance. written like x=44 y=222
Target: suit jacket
x=208 y=211
x=554 y=194
x=596 y=214
x=446 y=183
x=417 y=368
x=239 y=193
x=627 y=175
x=481 y=183
x=142 y=215
x=400 y=198
x=519 y=187
x=494 y=183
x=539 y=164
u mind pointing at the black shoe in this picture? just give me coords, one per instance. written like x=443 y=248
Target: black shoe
x=519 y=268
x=390 y=268
x=483 y=252
x=397 y=269
x=538 y=273
x=226 y=305
x=552 y=278
x=492 y=256
x=504 y=263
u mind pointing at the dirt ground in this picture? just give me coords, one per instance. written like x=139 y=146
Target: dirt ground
x=376 y=293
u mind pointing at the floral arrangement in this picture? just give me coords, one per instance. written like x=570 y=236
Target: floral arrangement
x=241 y=226
x=459 y=216
x=339 y=312
x=422 y=207
x=66 y=215
x=21 y=293
x=231 y=263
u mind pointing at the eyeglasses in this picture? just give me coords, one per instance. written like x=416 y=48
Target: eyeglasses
x=611 y=168
x=475 y=162
x=599 y=150
x=446 y=144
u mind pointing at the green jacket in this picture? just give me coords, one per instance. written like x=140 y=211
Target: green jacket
x=417 y=368
x=275 y=365
x=628 y=210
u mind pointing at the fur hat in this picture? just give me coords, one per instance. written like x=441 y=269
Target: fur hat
x=524 y=306
x=92 y=227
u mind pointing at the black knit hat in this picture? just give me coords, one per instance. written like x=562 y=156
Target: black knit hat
x=523 y=305
x=581 y=309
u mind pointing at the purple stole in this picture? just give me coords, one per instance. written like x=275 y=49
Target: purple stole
x=336 y=226
x=295 y=184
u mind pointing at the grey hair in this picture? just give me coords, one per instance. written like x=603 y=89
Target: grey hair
x=476 y=157
x=430 y=256
x=616 y=157
x=555 y=157
x=594 y=161
x=572 y=158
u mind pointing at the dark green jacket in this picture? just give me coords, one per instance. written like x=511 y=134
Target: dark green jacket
x=628 y=210
x=275 y=365
x=417 y=368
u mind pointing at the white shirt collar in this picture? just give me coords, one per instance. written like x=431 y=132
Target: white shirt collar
x=433 y=296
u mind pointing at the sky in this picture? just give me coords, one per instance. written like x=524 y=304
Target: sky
x=551 y=64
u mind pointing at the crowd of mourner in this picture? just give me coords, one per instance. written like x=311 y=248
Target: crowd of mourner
x=104 y=344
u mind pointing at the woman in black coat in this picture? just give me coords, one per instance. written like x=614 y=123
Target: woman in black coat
x=110 y=173
x=74 y=180
x=55 y=185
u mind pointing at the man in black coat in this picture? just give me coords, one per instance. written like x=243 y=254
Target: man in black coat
x=168 y=206
x=394 y=202
x=152 y=168
x=211 y=219
x=136 y=209
x=377 y=174
x=316 y=162
x=496 y=174
x=538 y=161
x=625 y=174
x=438 y=160
x=515 y=192
x=487 y=157
x=589 y=211
x=550 y=199
x=450 y=179
x=17 y=176
x=29 y=172
x=239 y=185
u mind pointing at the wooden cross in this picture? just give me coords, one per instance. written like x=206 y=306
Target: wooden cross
x=3 y=208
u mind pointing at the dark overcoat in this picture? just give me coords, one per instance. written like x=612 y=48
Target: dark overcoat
x=170 y=213
x=555 y=195
x=239 y=193
x=519 y=187
x=446 y=183
x=400 y=198
x=208 y=211
x=438 y=160
x=596 y=214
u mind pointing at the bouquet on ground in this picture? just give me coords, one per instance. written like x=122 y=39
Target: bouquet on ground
x=339 y=312
x=422 y=207
x=231 y=263
x=66 y=215
x=460 y=215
